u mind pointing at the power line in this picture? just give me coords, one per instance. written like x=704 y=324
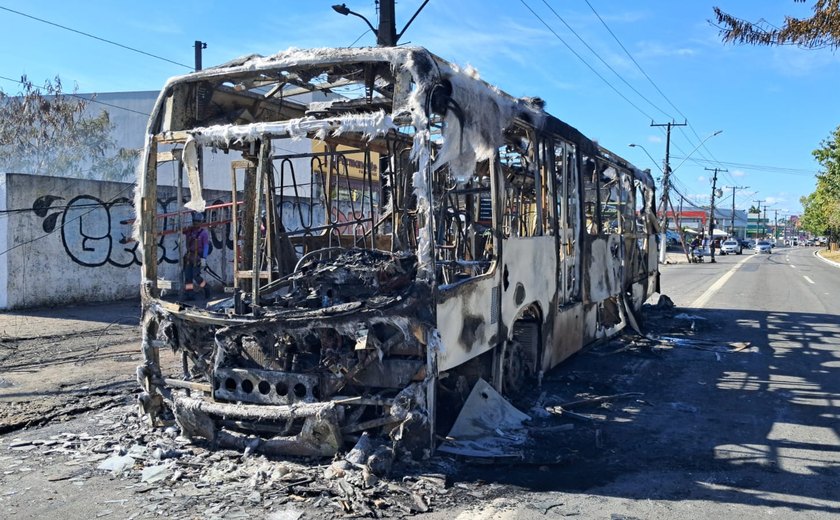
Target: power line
x=95 y=37
x=359 y=38
x=91 y=99
x=765 y=168
x=59 y=207
x=645 y=74
x=655 y=86
x=619 y=76
x=579 y=57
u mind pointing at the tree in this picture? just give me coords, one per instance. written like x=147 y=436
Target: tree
x=45 y=131
x=822 y=207
x=819 y=31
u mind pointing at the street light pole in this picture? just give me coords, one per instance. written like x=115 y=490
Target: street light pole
x=386 y=34
x=634 y=145
x=758 y=220
x=733 y=188
x=666 y=174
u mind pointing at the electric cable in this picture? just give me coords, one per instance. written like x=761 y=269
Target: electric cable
x=579 y=57
x=79 y=96
x=96 y=37
x=602 y=60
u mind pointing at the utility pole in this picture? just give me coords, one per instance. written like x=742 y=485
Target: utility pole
x=666 y=175
x=775 y=225
x=759 y=219
x=733 y=188
x=712 y=213
x=199 y=45
x=764 y=219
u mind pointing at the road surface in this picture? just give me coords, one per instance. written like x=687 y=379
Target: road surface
x=738 y=418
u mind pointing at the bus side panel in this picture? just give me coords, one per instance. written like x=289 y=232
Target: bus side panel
x=567 y=335
x=467 y=318
x=602 y=268
x=528 y=276
x=640 y=293
x=653 y=255
x=590 y=323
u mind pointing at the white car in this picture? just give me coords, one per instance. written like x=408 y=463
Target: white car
x=763 y=246
x=730 y=247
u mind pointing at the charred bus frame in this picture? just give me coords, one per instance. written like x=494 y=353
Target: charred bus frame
x=400 y=229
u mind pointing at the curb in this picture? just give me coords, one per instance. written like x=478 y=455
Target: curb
x=826 y=260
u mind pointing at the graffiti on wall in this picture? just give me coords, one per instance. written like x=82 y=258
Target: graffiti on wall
x=92 y=231
x=98 y=233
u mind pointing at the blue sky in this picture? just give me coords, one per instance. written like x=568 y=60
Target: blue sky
x=774 y=105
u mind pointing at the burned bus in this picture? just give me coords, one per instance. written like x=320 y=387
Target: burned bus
x=395 y=230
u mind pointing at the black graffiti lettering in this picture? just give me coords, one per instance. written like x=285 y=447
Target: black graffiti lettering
x=85 y=231
x=95 y=233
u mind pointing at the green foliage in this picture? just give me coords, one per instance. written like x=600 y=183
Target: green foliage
x=822 y=207
x=47 y=132
x=819 y=31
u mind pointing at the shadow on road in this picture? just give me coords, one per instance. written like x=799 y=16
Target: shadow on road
x=757 y=426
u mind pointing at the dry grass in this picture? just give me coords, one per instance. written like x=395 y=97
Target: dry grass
x=830 y=255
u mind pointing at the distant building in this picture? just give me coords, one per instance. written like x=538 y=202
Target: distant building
x=697 y=220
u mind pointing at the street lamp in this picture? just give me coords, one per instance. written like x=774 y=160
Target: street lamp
x=343 y=9
x=634 y=145
x=386 y=35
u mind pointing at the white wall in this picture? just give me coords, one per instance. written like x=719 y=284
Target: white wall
x=74 y=239
x=4 y=221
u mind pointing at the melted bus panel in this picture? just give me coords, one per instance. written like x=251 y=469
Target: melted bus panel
x=399 y=230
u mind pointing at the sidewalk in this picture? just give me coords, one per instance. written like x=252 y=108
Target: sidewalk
x=67 y=319
x=834 y=260
x=676 y=256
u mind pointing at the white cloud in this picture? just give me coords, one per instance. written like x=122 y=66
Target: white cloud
x=702 y=178
x=771 y=201
x=796 y=62
x=654 y=139
x=738 y=173
x=647 y=49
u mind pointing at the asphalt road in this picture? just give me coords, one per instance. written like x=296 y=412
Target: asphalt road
x=748 y=434
x=719 y=432
x=788 y=280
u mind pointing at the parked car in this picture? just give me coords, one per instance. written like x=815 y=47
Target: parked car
x=730 y=246
x=747 y=244
x=763 y=246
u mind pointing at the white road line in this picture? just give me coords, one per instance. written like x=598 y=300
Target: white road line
x=808 y=279
x=715 y=287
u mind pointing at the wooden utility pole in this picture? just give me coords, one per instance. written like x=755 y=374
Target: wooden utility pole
x=712 y=213
x=199 y=45
x=666 y=176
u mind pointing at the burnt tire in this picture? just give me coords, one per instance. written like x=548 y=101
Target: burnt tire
x=514 y=369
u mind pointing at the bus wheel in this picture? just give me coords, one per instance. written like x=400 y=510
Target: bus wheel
x=514 y=369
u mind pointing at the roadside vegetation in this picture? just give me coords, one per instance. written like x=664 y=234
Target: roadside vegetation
x=47 y=131
x=821 y=31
